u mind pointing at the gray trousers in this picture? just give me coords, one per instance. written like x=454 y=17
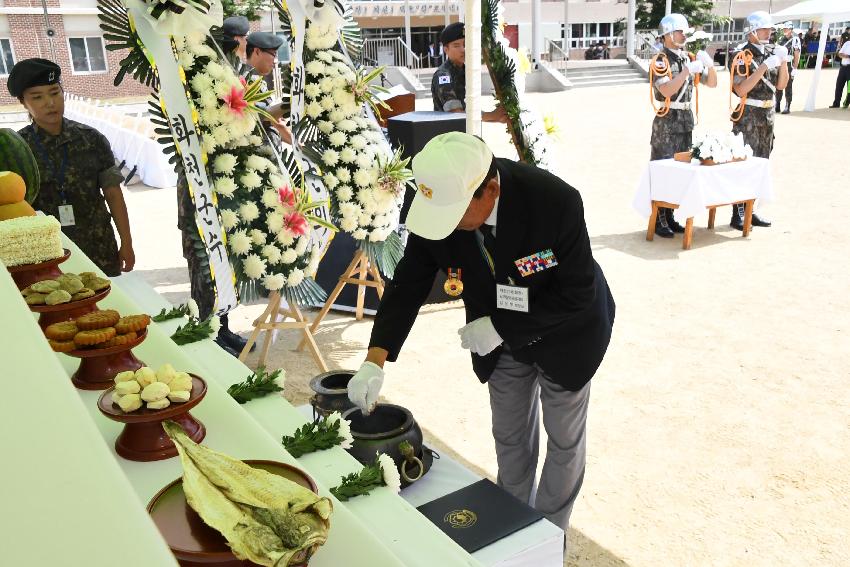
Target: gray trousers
x=516 y=392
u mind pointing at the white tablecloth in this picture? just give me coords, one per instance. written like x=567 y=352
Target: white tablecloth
x=129 y=145
x=381 y=529
x=694 y=187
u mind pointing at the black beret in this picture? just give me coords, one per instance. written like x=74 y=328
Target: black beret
x=236 y=25
x=451 y=32
x=32 y=73
x=265 y=40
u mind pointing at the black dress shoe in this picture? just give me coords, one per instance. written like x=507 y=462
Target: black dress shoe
x=833 y=106
x=226 y=347
x=233 y=340
x=663 y=231
x=758 y=221
x=786 y=111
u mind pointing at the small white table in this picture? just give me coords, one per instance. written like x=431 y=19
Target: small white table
x=690 y=189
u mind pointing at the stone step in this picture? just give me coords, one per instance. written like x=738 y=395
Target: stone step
x=620 y=75
x=607 y=82
x=601 y=71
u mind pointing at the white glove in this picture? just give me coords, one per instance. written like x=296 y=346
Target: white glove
x=480 y=336
x=793 y=72
x=782 y=52
x=695 y=67
x=773 y=62
x=706 y=59
x=364 y=386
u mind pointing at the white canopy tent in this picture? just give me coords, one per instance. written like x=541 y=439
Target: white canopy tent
x=825 y=12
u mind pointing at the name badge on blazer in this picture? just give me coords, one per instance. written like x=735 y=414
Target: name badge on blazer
x=512 y=297
x=537 y=262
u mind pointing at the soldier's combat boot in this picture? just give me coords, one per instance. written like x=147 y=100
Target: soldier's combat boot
x=671 y=222
x=787 y=108
x=662 y=229
x=230 y=338
x=758 y=221
x=737 y=221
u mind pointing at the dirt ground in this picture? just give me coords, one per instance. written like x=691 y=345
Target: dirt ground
x=719 y=426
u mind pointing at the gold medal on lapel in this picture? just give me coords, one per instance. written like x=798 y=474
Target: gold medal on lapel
x=453 y=285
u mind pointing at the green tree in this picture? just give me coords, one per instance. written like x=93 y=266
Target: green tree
x=698 y=12
x=249 y=8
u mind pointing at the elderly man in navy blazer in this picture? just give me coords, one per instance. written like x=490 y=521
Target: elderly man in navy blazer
x=512 y=239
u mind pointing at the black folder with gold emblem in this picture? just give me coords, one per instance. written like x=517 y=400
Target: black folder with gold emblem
x=479 y=514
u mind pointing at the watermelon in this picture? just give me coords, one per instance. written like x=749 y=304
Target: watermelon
x=16 y=155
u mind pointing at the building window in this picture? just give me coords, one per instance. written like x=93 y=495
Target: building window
x=7 y=58
x=87 y=55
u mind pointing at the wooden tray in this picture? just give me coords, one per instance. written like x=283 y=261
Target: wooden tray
x=143 y=438
x=27 y=274
x=98 y=366
x=192 y=541
x=50 y=314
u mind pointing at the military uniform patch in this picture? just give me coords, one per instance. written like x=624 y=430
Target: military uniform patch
x=536 y=262
x=445 y=80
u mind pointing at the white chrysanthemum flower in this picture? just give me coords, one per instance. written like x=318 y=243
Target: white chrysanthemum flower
x=276 y=180
x=296 y=276
x=330 y=157
x=343 y=175
x=272 y=253
x=289 y=255
x=380 y=220
x=208 y=143
x=204 y=51
x=344 y=193
x=221 y=89
x=270 y=199
x=336 y=115
x=350 y=108
x=378 y=235
x=257 y=163
x=274 y=282
x=343 y=97
x=365 y=219
x=365 y=161
x=209 y=103
x=225 y=186
x=254 y=266
x=258 y=237
x=193 y=308
x=285 y=238
x=215 y=324
x=249 y=211
x=275 y=222
x=255 y=140
x=315 y=68
x=389 y=472
x=369 y=205
x=346 y=125
x=186 y=60
x=240 y=242
x=337 y=138
x=313 y=110
x=362 y=178
x=326 y=85
x=344 y=429
x=328 y=103
x=222 y=134
x=215 y=70
x=229 y=219
x=251 y=180
x=360 y=234
x=224 y=163
x=340 y=81
x=349 y=210
x=312 y=91
x=201 y=83
x=348 y=224
x=301 y=245
x=330 y=181
x=326 y=126
x=358 y=142
x=180 y=42
x=324 y=56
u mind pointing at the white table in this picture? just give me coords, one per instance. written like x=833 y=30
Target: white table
x=690 y=189
x=381 y=529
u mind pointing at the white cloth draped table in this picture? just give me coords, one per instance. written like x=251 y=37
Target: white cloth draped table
x=695 y=187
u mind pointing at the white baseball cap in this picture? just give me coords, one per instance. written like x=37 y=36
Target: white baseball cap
x=448 y=170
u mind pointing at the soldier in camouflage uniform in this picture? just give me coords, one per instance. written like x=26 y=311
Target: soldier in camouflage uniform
x=262 y=52
x=448 y=85
x=235 y=31
x=80 y=182
x=673 y=125
x=758 y=71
